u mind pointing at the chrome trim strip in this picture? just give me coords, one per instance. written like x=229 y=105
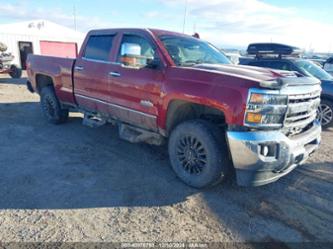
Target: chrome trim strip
x=116 y=106
x=102 y=61
x=78 y=68
x=114 y=74
x=98 y=61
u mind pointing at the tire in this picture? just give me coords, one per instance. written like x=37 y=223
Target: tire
x=325 y=113
x=15 y=72
x=51 y=108
x=198 y=153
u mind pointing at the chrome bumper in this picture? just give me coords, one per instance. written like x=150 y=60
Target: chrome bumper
x=262 y=157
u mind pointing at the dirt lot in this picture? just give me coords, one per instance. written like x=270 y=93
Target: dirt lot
x=74 y=183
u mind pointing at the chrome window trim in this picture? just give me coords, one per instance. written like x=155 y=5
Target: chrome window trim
x=102 y=61
x=95 y=60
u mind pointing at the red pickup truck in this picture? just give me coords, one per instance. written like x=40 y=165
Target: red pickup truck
x=159 y=86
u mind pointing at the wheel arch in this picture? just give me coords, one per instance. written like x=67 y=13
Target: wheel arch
x=43 y=80
x=179 y=111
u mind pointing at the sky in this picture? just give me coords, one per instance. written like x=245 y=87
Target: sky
x=226 y=23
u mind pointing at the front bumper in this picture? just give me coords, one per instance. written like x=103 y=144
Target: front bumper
x=255 y=167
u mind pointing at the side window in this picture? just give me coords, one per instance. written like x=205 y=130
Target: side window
x=135 y=51
x=98 y=47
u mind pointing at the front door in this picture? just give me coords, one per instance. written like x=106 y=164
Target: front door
x=135 y=87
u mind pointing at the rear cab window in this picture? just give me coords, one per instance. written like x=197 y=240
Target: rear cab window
x=98 y=47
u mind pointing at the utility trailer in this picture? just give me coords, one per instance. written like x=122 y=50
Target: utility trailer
x=6 y=66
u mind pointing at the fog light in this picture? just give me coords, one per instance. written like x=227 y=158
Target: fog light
x=269 y=150
x=264 y=150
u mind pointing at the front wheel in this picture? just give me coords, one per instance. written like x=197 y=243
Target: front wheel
x=325 y=113
x=51 y=107
x=198 y=153
x=15 y=72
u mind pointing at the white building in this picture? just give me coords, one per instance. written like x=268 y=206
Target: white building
x=39 y=37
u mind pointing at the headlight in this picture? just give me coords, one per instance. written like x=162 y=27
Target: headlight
x=265 y=109
x=269 y=99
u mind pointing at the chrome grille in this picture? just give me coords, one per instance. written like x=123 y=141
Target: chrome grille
x=302 y=111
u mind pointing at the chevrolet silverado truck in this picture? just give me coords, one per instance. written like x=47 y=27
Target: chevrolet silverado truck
x=218 y=119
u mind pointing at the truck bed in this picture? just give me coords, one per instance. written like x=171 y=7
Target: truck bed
x=59 y=69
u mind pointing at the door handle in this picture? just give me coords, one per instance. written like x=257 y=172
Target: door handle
x=78 y=68
x=115 y=74
x=146 y=103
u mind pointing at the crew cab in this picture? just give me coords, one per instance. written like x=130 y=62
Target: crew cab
x=285 y=57
x=159 y=86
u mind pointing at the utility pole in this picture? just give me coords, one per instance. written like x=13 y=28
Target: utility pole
x=74 y=16
x=185 y=15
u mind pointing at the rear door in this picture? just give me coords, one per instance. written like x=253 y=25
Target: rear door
x=91 y=73
x=135 y=87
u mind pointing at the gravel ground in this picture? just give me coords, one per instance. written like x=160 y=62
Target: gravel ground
x=73 y=183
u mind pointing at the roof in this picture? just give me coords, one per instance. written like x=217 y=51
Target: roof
x=159 y=32
x=40 y=28
x=156 y=32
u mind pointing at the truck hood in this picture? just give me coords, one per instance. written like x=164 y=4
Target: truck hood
x=267 y=78
x=257 y=74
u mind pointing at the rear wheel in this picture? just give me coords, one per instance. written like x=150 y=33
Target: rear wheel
x=198 y=153
x=326 y=113
x=51 y=108
x=15 y=72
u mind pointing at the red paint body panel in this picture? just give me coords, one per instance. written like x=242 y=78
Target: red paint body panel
x=59 y=49
x=59 y=69
x=224 y=87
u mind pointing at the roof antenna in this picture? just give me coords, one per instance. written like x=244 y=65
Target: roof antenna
x=185 y=16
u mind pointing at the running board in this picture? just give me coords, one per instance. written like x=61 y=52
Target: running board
x=137 y=135
x=93 y=121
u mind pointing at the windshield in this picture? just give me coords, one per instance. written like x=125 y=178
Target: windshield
x=187 y=51
x=311 y=68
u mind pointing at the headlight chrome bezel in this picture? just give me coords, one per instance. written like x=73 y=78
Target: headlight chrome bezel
x=270 y=104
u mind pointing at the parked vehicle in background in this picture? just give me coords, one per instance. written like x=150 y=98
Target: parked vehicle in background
x=158 y=85
x=232 y=54
x=284 y=57
x=5 y=63
x=318 y=62
x=328 y=65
